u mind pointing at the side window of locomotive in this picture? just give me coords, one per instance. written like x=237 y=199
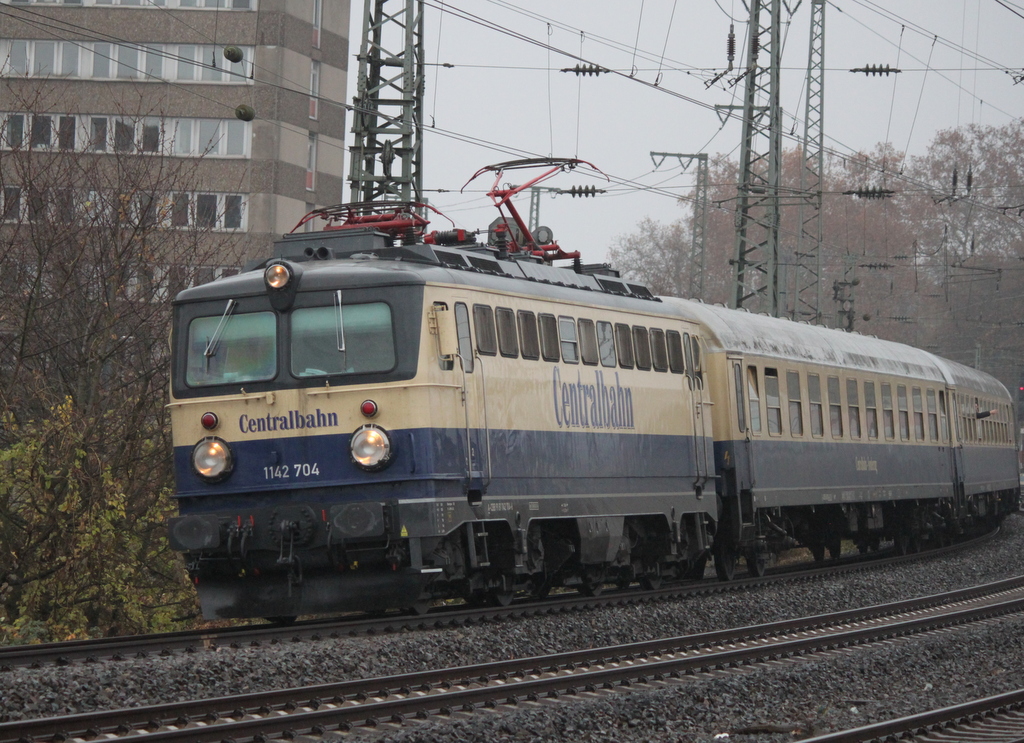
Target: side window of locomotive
x=568 y=341
x=933 y=416
x=483 y=320
x=606 y=343
x=853 y=408
x=508 y=341
x=871 y=409
x=549 y=338
x=741 y=413
x=887 y=419
x=772 y=401
x=624 y=345
x=588 y=342
x=529 y=343
x=835 y=408
x=357 y=340
x=915 y=393
x=642 y=348
x=754 y=398
x=675 y=352
x=659 y=354
x=901 y=402
x=465 y=339
x=796 y=411
x=229 y=349
x=814 y=399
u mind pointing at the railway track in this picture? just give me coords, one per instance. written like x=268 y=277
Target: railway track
x=141 y=646
x=396 y=699
x=997 y=719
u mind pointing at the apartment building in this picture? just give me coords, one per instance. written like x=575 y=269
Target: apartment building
x=150 y=78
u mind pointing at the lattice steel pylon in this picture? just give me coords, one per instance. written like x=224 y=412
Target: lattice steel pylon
x=700 y=215
x=387 y=152
x=757 y=205
x=807 y=302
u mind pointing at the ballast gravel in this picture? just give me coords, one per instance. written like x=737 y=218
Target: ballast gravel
x=783 y=702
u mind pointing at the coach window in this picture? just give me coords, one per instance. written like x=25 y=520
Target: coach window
x=870 y=409
x=814 y=399
x=942 y=416
x=465 y=339
x=588 y=342
x=508 y=343
x=754 y=399
x=835 y=408
x=675 y=352
x=918 y=413
x=529 y=343
x=624 y=345
x=642 y=348
x=901 y=402
x=486 y=340
x=549 y=338
x=933 y=416
x=772 y=401
x=659 y=354
x=887 y=420
x=796 y=413
x=568 y=341
x=853 y=408
x=737 y=379
x=606 y=343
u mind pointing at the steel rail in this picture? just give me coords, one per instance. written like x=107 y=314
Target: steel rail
x=140 y=646
x=768 y=638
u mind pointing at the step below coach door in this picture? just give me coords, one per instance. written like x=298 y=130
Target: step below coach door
x=474 y=401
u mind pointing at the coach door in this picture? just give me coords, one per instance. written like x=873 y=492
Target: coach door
x=702 y=453
x=956 y=434
x=474 y=399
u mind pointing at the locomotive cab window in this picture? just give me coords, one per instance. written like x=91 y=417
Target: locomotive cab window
x=568 y=341
x=549 y=338
x=588 y=342
x=465 y=339
x=508 y=343
x=353 y=339
x=528 y=341
x=483 y=320
x=231 y=349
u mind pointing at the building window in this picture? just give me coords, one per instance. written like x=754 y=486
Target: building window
x=318 y=18
x=311 y=162
x=14 y=130
x=314 y=89
x=42 y=129
x=66 y=133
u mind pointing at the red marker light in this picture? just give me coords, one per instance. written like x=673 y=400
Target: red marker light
x=210 y=421
x=368 y=408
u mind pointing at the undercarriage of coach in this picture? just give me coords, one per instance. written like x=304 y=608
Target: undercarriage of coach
x=758 y=536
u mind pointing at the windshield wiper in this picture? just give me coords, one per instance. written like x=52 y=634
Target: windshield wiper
x=211 y=345
x=341 y=322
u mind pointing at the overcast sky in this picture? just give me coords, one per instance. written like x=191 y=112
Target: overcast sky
x=504 y=96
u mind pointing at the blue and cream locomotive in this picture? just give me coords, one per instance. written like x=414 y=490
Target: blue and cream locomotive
x=378 y=417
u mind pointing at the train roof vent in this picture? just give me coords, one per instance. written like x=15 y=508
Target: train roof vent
x=484 y=264
x=639 y=290
x=610 y=285
x=458 y=260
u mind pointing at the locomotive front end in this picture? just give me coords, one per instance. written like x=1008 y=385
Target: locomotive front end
x=293 y=419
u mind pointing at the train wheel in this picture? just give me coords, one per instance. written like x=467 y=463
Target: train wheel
x=725 y=560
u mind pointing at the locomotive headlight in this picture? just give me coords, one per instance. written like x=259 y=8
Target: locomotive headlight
x=212 y=459
x=371 y=448
x=277 y=276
